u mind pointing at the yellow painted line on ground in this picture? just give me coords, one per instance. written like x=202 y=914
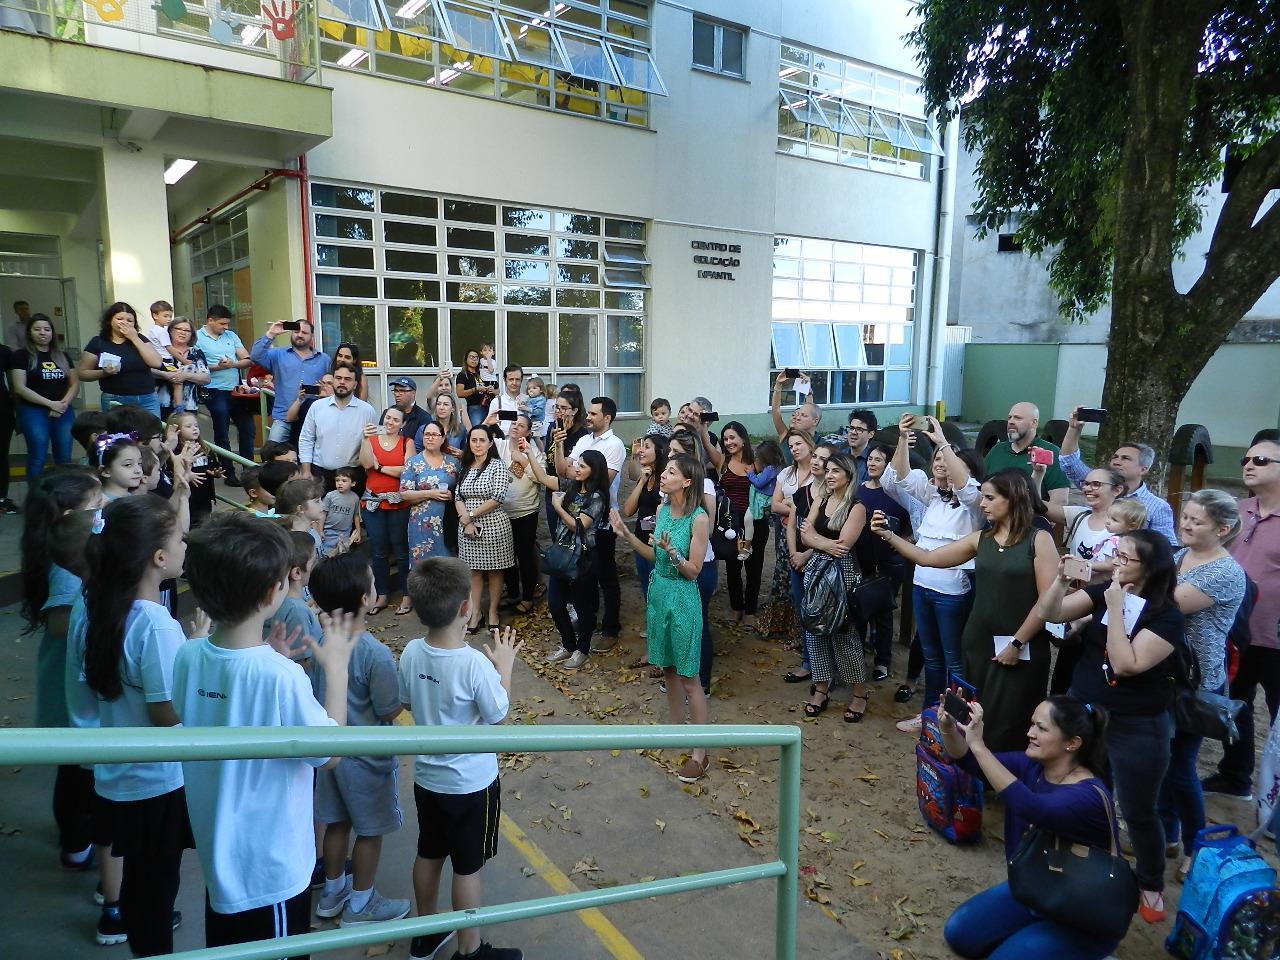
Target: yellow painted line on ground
x=610 y=937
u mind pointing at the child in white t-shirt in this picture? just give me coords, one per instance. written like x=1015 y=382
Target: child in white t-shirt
x=252 y=818
x=488 y=364
x=447 y=683
x=1123 y=517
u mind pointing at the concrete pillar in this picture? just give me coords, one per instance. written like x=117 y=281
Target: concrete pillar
x=135 y=227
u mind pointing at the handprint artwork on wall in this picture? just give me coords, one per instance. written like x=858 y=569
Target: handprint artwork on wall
x=175 y=10
x=109 y=10
x=279 y=14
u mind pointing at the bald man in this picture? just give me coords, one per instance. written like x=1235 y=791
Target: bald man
x=806 y=416
x=1020 y=427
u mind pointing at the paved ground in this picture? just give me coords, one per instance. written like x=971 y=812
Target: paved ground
x=585 y=820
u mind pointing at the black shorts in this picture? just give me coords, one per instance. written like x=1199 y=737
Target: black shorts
x=460 y=826
x=286 y=919
x=155 y=827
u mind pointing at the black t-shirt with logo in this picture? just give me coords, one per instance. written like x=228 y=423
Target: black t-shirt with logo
x=48 y=380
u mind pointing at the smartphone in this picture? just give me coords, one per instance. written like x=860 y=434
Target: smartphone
x=711 y=417
x=311 y=389
x=791 y=373
x=955 y=706
x=292 y=325
x=508 y=414
x=1077 y=569
x=1041 y=457
x=1091 y=415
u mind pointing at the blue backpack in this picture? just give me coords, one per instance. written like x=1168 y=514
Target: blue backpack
x=1230 y=907
x=950 y=799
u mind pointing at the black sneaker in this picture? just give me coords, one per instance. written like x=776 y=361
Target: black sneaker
x=78 y=862
x=1219 y=786
x=111 y=926
x=176 y=919
x=904 y=693
x=880 y=673
x=429 y=946
x=8 y=506
x=488 y=951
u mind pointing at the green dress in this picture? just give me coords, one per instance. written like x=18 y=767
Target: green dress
x=674 y=608
x=1004 y=594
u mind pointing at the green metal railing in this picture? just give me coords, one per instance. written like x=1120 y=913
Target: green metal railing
x=214 y=449
x=145 y=744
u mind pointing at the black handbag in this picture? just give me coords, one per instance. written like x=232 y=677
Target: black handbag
x=1199 y=712
x=1079 y=886
x=873 y=597
x=726 y=529
x=565 y=562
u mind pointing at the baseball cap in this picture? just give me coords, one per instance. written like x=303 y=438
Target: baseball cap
x=404 y=383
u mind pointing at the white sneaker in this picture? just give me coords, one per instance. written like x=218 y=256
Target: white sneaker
x=911 y=725
x=331 y=906
x=558 y=654
x=575 y=661
x=378 y=909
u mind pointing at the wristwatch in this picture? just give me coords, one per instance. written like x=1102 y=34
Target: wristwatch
x=1017 y=644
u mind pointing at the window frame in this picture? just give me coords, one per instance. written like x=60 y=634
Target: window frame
x=717 y=47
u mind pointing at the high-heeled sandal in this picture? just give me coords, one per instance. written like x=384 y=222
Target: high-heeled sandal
x=855 y=716
x=815 y=709
x=1151 y=914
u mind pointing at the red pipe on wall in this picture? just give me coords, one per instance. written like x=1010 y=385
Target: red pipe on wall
x=304 y=207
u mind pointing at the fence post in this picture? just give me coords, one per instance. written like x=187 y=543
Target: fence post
x=788 y=849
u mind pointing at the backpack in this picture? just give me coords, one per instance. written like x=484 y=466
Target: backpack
x=1230 y=907
x=950 y=799
x=1239 y=637
x=824 y=608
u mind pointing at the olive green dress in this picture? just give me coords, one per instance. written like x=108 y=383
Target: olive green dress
x=674 y=607
x=1005 y=592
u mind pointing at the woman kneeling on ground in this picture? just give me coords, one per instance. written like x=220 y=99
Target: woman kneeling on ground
x=1053 y=785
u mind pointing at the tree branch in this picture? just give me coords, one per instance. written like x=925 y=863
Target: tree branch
x=1255 y=179
x=1238 y=270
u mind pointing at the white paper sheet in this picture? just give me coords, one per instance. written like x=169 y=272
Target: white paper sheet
x=1133 y=605
x=1002 y=642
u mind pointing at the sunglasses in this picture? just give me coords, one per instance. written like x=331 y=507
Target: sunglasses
x=1258 y=461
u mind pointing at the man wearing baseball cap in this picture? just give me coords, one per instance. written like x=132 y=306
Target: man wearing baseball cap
x=404 y=394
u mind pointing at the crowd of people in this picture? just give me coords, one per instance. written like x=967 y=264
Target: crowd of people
x=441 y=507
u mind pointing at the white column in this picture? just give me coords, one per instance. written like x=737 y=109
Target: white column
x=135 y=227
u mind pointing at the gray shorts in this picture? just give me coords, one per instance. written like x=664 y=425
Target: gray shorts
x=352 y=792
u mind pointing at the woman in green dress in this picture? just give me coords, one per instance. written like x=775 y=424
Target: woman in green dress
x=673 y=609
x=1015 y=564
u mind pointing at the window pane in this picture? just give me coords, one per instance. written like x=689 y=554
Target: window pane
x=624 y=229
x=342 y=322
x=417 y=17
x=844 y=387
x=704 y=44
x=587 y=57
x=528 y=341
x=471 y=292
x=577 y=335
x=577 y=298
x=421 y=234
x=818 y=345
x=533 y=44
x=625 y=342
x=637 y=70
x=475 y=31
x=413 y=335
x=339 y=285
x=623 y=300
x=528 y=270
x=352 y=258
x=731 y=50
x=470 y=212
x=404 y=288
x=347 y=228
x=871 y=386
x=626 y=390
x=573 y=273
x=526 y=219
x=787 y=349
x=578 y=249
x=410 y=261
x=578 y=223
x=527 y=296
x=849 y=345
x=873 y=337
x=464 y=266
x=341 y=198
x=897 y=386
x=467 y=330
x=407 y=204
x=469 y=239
x=529 y=246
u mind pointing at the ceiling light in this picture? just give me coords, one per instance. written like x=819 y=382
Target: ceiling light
x=177 y=170
x=411 y=9
x=353 y=58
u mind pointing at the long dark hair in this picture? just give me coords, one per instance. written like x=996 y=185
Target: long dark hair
x=133 y=529
x=1011 y=485
x=1075 y=718
x=573 y=396
x=355 y=359
x=104 y=326
x=661 y=451
x=468 y=459
x=48 y=498
x=59 y=358
x=1160 y=572
x=597 y=482
x=746 y=454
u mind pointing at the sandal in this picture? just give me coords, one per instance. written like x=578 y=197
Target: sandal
x=904 y=693
x=791 y=676
x=855 y=716
x=404 y=609
x=656 y=673
x=814 y=709
x=524 y=607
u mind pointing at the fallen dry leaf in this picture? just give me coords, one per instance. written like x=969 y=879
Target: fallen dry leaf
x=661 y=825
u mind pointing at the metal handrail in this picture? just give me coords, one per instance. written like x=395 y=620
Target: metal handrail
x=150 y=744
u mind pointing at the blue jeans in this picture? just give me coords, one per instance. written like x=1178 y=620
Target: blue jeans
x=388 y=533
x=940 y=621
x=147 y=401
x=993 y=924
x=708 y=580
x=39 y=428
x=1138 y=751
x=222 y=411
x=797 y=597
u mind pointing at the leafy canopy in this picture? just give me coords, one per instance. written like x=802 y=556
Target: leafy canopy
x=1046 y=92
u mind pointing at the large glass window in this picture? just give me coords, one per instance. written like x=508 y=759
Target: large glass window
x=845 y=112
x=585 y=57
x=718 y=47
x=416 y=280
x=844 y=313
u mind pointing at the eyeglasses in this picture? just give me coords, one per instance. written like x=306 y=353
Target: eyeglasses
x=853 y=428
x=1258 y=461
x=1090 y=484
x=1124 y=561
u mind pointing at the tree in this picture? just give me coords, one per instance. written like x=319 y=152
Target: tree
x=1101 y=124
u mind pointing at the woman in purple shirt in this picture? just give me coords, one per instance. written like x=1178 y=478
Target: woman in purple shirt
x=1054 y=785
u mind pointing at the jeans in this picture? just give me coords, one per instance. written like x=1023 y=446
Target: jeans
x=708 y=580
x=940 y=621
x=993 y=924
x=1138 y=751
x=1260 y=666
x=522 y=579
x=607 y=572
x=279 y=431
x=388 y=532
x=643 y=569
x=1181 y=797
x=147 y=401
x=222 y=411
x=738 y=600
x=39 y=428
x=797 y=597
x=6 y=438
x=575 y=637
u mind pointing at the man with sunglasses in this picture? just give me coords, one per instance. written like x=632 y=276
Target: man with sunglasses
x=1133 y=461
x=1257 y=549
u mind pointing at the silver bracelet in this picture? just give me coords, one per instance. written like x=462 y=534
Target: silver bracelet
x=679 y=559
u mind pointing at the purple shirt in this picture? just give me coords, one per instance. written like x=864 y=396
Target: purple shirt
x=1257 y=549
